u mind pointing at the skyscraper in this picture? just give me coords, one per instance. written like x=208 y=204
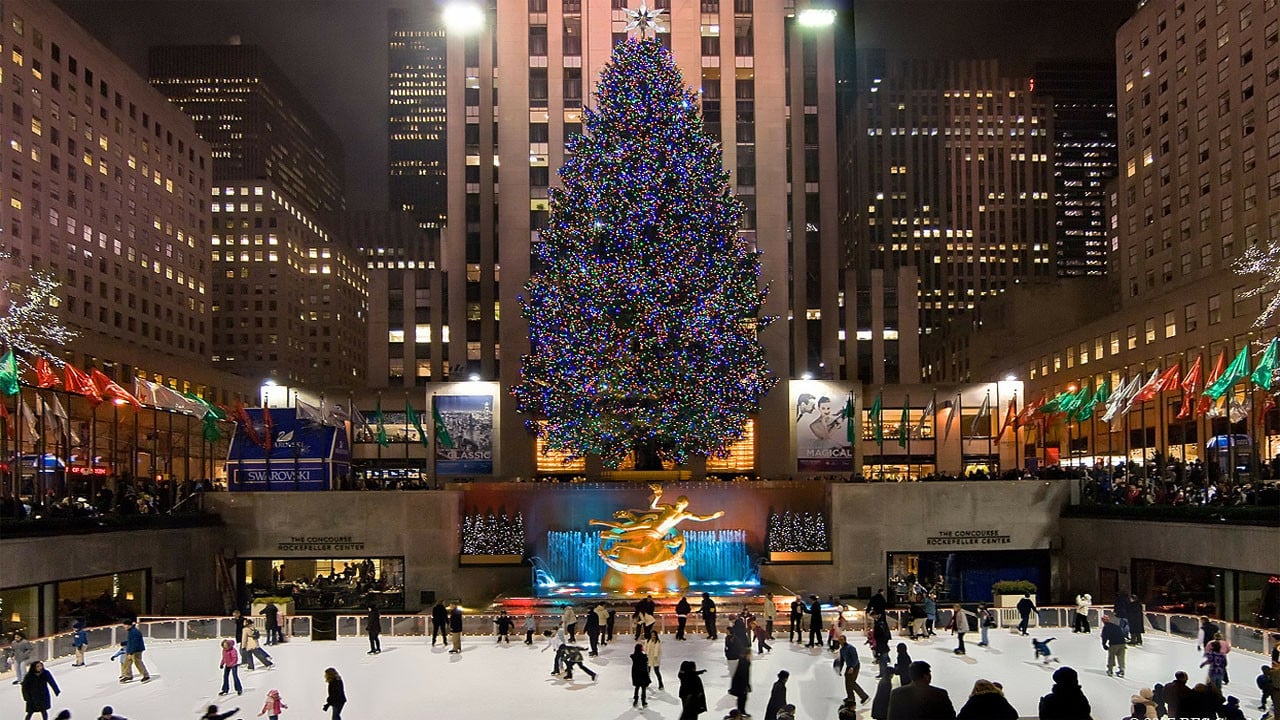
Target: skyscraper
x=954 y=176
x=1084 y=158
x=416 y=124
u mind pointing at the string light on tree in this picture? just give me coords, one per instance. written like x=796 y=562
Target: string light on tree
x=491 y=534
x=645 y=312
x=31 y=323
x=1263 y=259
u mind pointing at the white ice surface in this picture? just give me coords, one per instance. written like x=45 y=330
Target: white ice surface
x=411 y=679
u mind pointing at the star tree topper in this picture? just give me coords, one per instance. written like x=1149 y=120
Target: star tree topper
x=644 y=19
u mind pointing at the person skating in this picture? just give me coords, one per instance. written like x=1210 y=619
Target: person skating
x=960 y=625
x=877 y=604
x=335 y=694
x=1065 y=701
x=1115 y=643
x=986 y=621
x=930 y=615
x=879 y=704
x=109 y=713
x=1083 y=602
x=770 y=613
x=36 y=685
x=373 y=627
x=230 y=664
x=708 y=611
x=1216 y=660
x=883 y=636
x=1267 y=685
x=211 y=713
x=530 y=627
x=555 y=641
x=439 y=623
x=848 y=664
x=504 y=624
x=682 y=616
x=249 y=648
x=693 y=699
x=740 y=683
x=777 y=696
x=1137 y=620
x=79 y=641
x=639 y=677
x=902 y=665
x=23 y=653
x=815 y=622
x=796 y=631
x=987 y=702
x=920 y=699
x=134 y=646
x=570 y=620
x=455 y=629
x=602 y=619
x=273 y=706
x=611 y=617
x=1208 y=629
x=1025 y=607
x=1041 y=648
x=572 y=658
x=271 y=618
x=653 y=648
x=1145 y=699
x=761 y=636
x=1231 y=709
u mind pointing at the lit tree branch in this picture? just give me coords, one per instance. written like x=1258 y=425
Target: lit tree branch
x=29 y=322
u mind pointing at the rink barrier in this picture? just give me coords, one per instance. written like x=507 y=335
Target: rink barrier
x=107 y=638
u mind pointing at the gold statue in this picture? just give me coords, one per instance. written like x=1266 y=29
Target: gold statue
x=644 y=549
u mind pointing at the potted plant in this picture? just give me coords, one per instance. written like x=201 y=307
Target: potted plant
x=1007 y=593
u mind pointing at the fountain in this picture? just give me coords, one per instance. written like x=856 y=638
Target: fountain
x=715 y=560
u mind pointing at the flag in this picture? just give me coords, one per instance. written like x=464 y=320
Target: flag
x=1162 y=382
x=1010 y=418
x=144 y=392
x=357 y=418
x=903 y=422
x=1266 y=366
x=1237 y=411
x=1219 y=366
x=268 y=430
x=848 y=419
x=210 y=430
x=951 y=413
x=380 y=436
x=64 y=422
x=1235 y=372
x=80 y=384
x=1267 y=404
x=44 y=417
x=166 y=397
x=28 y=420
x=334 y=414
x=415 y=421
x=1190 y=386
x=45 y=376
x=1102 y=395
x=1030 y=409
x=443 y=438
x=1216 y=409
x=250 y=430
x=206 y=408
x=107 y=388
x=1055 y=405
x=874 y=417
x=1083 y=405
x=8 y=374
x=1118 y=403
x=927 y=416
x=983 y=413
x=307 y=412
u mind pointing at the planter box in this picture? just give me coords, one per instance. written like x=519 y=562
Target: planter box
x=800 y=557
x=285 y=608
x=1008 y=601
x=490 y=559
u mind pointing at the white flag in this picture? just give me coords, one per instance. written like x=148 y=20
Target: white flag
x=926 y=417
x=308 y=412
x=28 y=419
x=983 y=413
x=951 y=413
x=64 y=422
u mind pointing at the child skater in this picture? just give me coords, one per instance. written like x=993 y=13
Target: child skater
x=273 y=706
x=1042 y=650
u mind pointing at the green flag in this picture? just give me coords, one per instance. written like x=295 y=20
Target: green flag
x=8 y=374
x=848 y=419
x=415 y=421
x=1084 y=405
x=1102 y=395
x=380 y=434
x=1055 y=405
x=903 y=422
x=1237 y=370
x=210 y=430
x=443 y=438
x=1266 y=366
x=874 y=418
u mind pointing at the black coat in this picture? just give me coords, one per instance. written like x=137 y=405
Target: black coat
x=639 y=669
x=740 y=684
x=987 y=706
x=815 y=615
x=877 y=604
x=693 y=699
x=455 y=620
x=35 y=690
x=682 y=607
x=440 y=615
x=593 y=623
x=272 y=614
x=337 y=693
x=1064 y=703
x=880 y=703
x=777 y=700
x=918 y=701
x=374 y=626
x=708 y=608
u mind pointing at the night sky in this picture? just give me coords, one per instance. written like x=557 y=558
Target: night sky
x=335 y=50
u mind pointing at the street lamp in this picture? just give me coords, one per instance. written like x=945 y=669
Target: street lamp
x=462 y=18
x=816 y=17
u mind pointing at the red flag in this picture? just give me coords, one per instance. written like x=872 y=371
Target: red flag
x=1190 y=386
x=45 y=376
x=79 y=383
x=1219 y=366
x=1267 y=404
x=1029 y=410
x=242 y=416
x=109 y=389
x=1010 y=419
x=1167 y=380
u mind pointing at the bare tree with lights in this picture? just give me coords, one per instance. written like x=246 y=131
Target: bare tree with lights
x=30 y=323
x=1263 y=260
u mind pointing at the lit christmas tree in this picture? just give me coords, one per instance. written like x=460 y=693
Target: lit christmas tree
x=645 y=310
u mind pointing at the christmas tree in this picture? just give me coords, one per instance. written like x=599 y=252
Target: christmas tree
x=644 y=312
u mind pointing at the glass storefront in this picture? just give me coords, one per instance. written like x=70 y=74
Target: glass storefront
x=1237 y=596
x=103 y=599
x=19 y=611
x=964 y=576
x=324 y=584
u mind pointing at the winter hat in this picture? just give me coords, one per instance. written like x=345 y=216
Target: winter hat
x=1066 y=676
x=78 y=624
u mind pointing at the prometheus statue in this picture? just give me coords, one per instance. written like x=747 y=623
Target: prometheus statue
x=644 y=549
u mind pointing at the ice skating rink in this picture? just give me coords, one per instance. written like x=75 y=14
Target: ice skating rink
x=411 y=679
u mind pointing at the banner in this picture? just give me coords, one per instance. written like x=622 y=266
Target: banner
x=820 y=427
x=300 y=455
x=468 y=419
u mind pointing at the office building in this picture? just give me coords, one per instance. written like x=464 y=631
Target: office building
x=416 y=126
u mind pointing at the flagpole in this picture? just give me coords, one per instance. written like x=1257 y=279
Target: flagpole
x=41 y=449
x=431 y=449
x=907 y=421
x=880 y=433
x=406 y=435
x=996 y=416
x=933 y=424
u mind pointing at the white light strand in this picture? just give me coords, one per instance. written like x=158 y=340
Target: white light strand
x=30 y=323
x=1263 y=259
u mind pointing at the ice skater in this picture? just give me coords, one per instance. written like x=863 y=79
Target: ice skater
x=572 y=657
x=1083 y=602
x=593 y=632
x=373 y=626
x=79 y=641
x=740 y=684
x=439 y=623
x=108 y=713
x=211 y=713
x=960 y=625
x=848 y=665
x=230 y=668
x=1042 y=650
x=903 y=665
x=986 y=621
x=795 y=633
x=273 y=706
x=815 y=622
x=1025 y=607
x=693 y=699
x=570 y=620
x=249 y=647
x=653 y=648
x=336 y=694
x=1115 y=643
x=23 y=653
x=761 y=637
x=504 y=623
x=555 y=641
x=455 y=629
x=682 y=616
x=530 y=627
x=777 y=696
x=639 y=677
x=708 y=612
x=36 y=685
x=1216 y=660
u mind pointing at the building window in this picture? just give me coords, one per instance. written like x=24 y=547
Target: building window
x=1115 y=342
x=1189 y=318
x=1215 y=309
x=1170 y=325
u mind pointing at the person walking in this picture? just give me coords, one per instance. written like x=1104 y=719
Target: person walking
x=639 y=677
x=1115 y=643
x=708 y=611
x=249 y=648
x=848 y=664
x=682 y=616
x=271 y=618
x=373 y=627
x=653 y=648
x=796 y=631
x=23 y=653
x=336 y=694
x=920 y=699
x=36 y=685
x=1066 y=701
x=134 y=646
x=770 y=613
x=960 y=626
x=740 y=683
x=455 y=628
x=777 y=696
x=439 y=623
x=1083 y=602
x=815 y=622
x=987 y=702
x=79 y=641
x=986 y=621
x=230 y=665
x=693 y=699
x=504 y=624
x=1025 y=607
x=570 y=620
x=273 y=706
